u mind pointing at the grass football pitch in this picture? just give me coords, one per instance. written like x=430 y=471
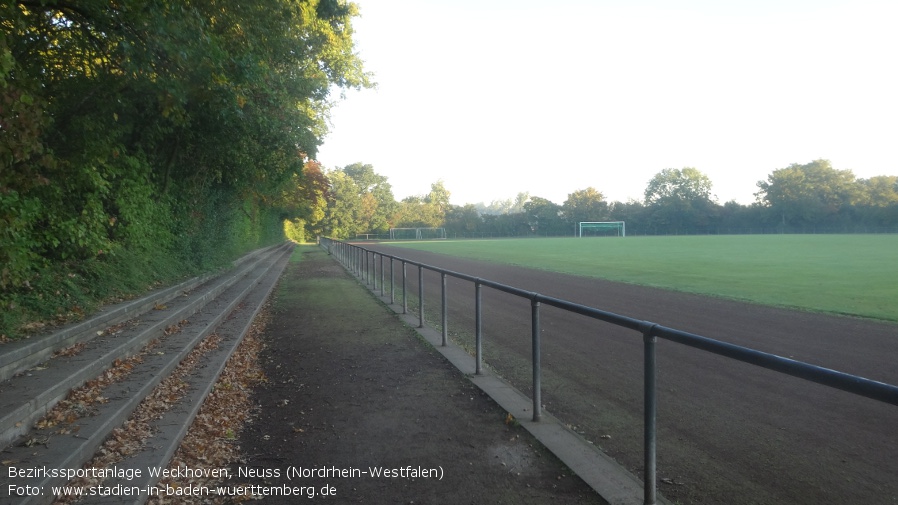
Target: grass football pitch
x=842 y=274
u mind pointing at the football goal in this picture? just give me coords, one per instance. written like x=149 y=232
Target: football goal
x=417 y=233
x=602 y=229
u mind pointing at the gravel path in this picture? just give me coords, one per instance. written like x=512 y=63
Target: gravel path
x=352 y=389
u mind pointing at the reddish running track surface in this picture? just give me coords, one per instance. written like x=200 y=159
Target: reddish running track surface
x=728 y=432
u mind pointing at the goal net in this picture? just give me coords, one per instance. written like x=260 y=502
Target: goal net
x=602 y=229
x=417 y=233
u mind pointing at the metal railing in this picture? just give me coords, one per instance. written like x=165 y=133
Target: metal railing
x=356 y=260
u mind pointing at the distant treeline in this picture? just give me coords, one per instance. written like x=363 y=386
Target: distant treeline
x=809 y=198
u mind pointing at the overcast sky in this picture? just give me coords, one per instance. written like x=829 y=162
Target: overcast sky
x=497 y=97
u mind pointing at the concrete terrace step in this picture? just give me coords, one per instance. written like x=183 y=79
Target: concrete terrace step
x=27 y=397
x=23 y=354
x=172 y=427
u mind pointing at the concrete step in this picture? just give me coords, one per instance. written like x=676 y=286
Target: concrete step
x=30 y=397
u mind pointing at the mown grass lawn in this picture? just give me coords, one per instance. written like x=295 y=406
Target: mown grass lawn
x=843 y=274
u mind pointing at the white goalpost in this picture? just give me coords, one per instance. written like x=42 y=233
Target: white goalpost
x=602 y=228
x=417 y=233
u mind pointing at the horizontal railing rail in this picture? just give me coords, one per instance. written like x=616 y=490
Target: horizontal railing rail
x=356 y=259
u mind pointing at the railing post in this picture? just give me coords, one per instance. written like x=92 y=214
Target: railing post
x=392 y=284
x=537 y=361
x=651 y=414
x=404 y=291
x=374 y=270
x=478 y=328
x=381 y=275
x=420 y=296
x=444 y=304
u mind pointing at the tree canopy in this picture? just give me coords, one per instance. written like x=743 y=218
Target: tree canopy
x=811 y=193
x=585 y=205
x=163 y=128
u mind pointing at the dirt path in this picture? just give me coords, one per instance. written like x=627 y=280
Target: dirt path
x=351 y=388
x=728 y=433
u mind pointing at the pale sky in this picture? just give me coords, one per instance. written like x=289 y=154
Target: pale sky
x=497 y=97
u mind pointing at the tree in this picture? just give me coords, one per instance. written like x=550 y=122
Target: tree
x=545 y=217
x=878 y=204
x=879 y=191
x=164 y=131
x=438 y=196
x=633 y=212
x=507 y=225
x=162 y=127
x=416 y=212
x=361 y=201
x=376 y=193
x=463 y=220
x=680 y=200
x=344 y=208
x=426 y=211
x=585 y=205
x=304 y=202
x=809 y=194
x=687 y=184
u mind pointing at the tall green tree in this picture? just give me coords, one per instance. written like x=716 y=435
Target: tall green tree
x=810 y=194
x=585 y=205
x=359 y=201
x=416 y=212
x=426 y=211
x=879 y=191
x=344 y=209
x=376 y=193
x=439 y=197
x=878 y=203
x=546 y=217
x=680 y=200
x=131 y=112
x=686 y=184
x=304 y=203
x=159 y=128
x=463 y=220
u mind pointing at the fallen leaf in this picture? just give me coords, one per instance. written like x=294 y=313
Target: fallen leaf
x=671 y=482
